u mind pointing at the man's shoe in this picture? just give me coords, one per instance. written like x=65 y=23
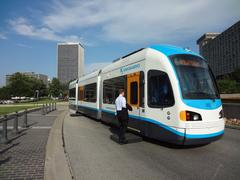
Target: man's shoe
x=124 y=141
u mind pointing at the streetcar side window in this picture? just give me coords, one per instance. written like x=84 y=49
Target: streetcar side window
x=90 y=92
x=111 y=89
x=160 y=92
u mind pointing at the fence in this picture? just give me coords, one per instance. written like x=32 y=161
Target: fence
x=46 y=108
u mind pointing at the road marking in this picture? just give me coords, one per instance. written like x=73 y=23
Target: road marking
x=134 y=129
x=41 y=127
x=34 y=127
x=50 y=115
x=217 y=171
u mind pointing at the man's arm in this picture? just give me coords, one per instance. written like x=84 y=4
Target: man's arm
x=124 y=103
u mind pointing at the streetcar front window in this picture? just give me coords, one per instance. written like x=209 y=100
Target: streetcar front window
x=195 y=77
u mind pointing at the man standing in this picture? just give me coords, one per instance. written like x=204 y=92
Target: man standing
x=122 y=115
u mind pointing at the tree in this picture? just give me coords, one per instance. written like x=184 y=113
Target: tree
x=23 y=85
x=236 y=75
x=55 y=88
x=228 y=86
x=4 y=93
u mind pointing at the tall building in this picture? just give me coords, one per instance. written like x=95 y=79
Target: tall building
x=42 y=77
x=70 y=61
x=222 y=50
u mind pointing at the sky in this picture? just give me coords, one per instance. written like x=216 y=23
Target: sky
x=108 y=29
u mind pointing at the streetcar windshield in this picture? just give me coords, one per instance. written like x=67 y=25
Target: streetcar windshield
x=195 y=76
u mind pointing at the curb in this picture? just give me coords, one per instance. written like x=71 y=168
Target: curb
x=56 y=162
x=232 y=127
x=65 y=151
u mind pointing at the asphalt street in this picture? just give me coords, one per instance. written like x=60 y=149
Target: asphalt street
x=93 y=155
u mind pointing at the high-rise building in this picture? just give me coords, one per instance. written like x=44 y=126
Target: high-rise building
x=222 y=50
x=70 y=61
x=42 y=77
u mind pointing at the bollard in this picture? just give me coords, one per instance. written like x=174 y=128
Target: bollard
x=43 y=109
x=46 y=109
x=15 y=124
x=55 y=106
x=50 y=107
x=25 y=124
x=4 y=133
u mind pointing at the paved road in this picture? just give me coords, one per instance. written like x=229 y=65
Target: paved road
x=94 y=156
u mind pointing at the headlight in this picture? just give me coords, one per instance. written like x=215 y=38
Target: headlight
x=190 y=116
x=196 y=117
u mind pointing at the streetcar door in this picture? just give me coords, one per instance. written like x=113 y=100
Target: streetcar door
x=133 y=96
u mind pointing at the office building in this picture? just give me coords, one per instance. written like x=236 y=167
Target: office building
x=222 y=50
x=70 y=61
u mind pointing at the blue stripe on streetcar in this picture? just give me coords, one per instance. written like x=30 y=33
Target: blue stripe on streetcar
x=190 y=136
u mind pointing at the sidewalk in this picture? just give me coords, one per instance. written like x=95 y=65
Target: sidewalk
x=24 y=157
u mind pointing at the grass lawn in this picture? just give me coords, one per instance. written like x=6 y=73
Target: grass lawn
x=10 y=109
x=44 y=101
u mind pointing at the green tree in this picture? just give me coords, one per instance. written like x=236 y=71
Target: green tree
x=228 y=86
x=4 y=93
x=236 y=75
x=55 y=88
x=22 y=85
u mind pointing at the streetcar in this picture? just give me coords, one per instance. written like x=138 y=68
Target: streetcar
x=172 y=91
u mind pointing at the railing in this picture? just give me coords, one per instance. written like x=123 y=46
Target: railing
x=46 y=108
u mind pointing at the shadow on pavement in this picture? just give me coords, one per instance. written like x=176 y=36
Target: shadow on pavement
x=4 y=160
x=114 y=130
x=8 y=148
x=170 y=145
x=21 y=133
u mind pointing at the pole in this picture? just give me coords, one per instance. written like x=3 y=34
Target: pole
x=47 y=107
x=25 y=119
x=43 y=110
x=4 y=126
x=15 y=124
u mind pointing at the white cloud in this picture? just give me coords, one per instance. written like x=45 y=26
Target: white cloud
x=132 y=21
x=3 y=36
x=23 y=27
x=137 y=21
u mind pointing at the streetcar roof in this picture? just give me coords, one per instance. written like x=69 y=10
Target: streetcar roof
x=169 y=50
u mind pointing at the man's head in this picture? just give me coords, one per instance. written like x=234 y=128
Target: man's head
x=121 y=91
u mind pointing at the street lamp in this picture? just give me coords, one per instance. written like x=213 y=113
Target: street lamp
x=37 y=94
